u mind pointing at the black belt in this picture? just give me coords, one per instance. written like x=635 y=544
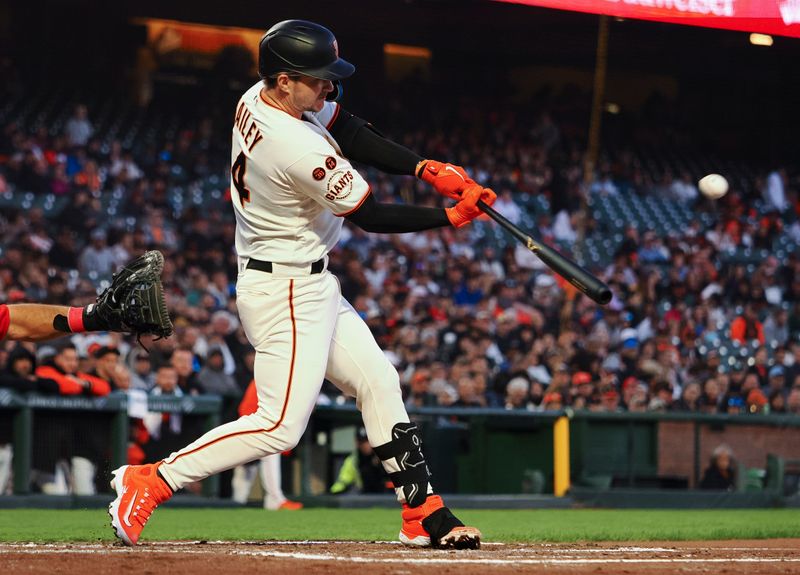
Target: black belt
x=262 y=266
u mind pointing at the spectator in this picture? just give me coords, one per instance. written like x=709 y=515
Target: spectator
x=777 y=402
x=775 y=190
x=106 y=363
x=212 y=378
x=167 y=431
x=662 y=397
x=672 y=312
x=97 y=258
x=553 y=401
x=777 y=380
x=362 y=470
x=638 y=400
x=182 y=361
x=506 y=206
x=583 y=390
x=709 y=401
x=142 y=376
x=776 y=327
x=747 y=328
x=517 y=394
x=19 y=374
x=564 y=227
x=63 y=369
x=757 y=402
x=684 y=189
x=82 y=443
x=721 y=472
x=78 y=128
x=468 y=395
x=793 y=401
x=608 y=402
x=420 y=394
x=604 y=185
x=759 y=368
x=690 y=398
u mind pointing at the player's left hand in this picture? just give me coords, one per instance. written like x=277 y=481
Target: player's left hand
x=447 y=179
x=467 y=209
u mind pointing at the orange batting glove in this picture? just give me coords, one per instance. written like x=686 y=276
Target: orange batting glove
x=467 y=209
x=447 y=179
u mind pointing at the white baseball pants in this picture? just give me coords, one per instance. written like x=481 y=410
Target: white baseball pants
x=303 y=331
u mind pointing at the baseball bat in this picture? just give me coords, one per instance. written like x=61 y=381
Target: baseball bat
x=566 y=268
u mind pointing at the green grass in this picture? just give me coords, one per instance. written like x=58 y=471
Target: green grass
x=382 y=524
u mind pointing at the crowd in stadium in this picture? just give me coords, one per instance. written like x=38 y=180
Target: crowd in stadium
x=466 y=324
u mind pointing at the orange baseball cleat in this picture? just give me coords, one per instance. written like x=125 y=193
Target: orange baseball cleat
x=139 y=491
x=290 y=505
x=434 y=525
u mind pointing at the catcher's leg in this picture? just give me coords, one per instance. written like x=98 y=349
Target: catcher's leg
x=359 y=368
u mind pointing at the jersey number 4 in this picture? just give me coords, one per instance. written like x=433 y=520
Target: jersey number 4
x=238 y=170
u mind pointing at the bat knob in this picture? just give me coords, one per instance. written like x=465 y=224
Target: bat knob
x=604 y=296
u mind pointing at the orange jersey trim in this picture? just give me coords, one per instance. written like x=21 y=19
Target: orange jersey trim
x=271 y=105
x=285 y=399
x=333 y=119
x=358 y=205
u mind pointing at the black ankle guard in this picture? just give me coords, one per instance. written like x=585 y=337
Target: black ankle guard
x=406 y=449
x=440 y=523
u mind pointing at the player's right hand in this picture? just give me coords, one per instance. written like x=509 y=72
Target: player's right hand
x=447 y=179
x=467 y=209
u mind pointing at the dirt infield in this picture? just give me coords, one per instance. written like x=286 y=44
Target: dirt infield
x=279 y=557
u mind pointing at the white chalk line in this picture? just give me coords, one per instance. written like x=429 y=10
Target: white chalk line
x=99 y=549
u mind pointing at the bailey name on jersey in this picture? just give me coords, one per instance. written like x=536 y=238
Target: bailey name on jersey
x=244 y=119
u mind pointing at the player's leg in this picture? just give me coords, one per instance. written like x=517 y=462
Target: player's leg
x=290 y=323
x=358 y=367
x=242 y=482
x=271 y=476
x=290 y=328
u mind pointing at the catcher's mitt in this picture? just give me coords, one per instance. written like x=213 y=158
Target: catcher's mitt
x=134 y=302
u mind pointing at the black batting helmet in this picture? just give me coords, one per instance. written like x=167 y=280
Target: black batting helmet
x=304 y=47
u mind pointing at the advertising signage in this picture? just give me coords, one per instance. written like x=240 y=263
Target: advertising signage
x=776 y=17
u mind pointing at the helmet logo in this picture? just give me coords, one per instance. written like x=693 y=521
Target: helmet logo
x=336 y=47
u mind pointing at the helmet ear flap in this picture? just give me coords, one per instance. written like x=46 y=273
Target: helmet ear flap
x=335 y=94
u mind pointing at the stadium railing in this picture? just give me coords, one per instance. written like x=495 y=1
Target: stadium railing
x=110 y=424
x=472 y=450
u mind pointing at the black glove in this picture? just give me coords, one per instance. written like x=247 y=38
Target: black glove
x=134 y=302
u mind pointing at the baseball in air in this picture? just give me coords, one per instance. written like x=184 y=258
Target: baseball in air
x=713 y=186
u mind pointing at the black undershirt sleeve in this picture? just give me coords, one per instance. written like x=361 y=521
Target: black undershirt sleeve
x=379 y=218
x=361 y=142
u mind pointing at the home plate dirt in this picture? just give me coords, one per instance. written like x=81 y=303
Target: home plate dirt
x=345 y=557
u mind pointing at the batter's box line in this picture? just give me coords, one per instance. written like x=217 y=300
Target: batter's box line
x=554 y=561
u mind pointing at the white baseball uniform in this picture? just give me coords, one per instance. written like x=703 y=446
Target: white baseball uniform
x=290 y=189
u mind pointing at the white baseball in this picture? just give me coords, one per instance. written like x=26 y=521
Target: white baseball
x=713 y=186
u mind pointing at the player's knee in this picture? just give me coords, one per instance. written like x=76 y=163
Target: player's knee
x=386 y=380
x=277 y=436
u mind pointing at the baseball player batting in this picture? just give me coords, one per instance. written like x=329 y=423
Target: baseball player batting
x=292 y=187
